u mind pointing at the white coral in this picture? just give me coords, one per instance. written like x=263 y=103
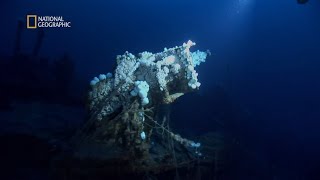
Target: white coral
x=162 y=71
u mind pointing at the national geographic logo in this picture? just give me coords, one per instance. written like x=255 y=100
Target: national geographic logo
x=35 y=21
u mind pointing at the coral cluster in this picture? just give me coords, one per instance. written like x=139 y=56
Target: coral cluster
x=167 y=75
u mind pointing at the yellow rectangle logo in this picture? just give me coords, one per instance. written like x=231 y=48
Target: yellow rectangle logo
x=33 y=20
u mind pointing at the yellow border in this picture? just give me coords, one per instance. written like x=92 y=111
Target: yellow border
x=35 y=21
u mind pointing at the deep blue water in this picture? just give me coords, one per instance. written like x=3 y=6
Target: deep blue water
x=266 y=58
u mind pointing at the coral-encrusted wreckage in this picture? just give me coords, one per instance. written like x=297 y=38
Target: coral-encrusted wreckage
x=128 y=122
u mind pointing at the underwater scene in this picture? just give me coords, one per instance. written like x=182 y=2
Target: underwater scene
x=160 y=90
